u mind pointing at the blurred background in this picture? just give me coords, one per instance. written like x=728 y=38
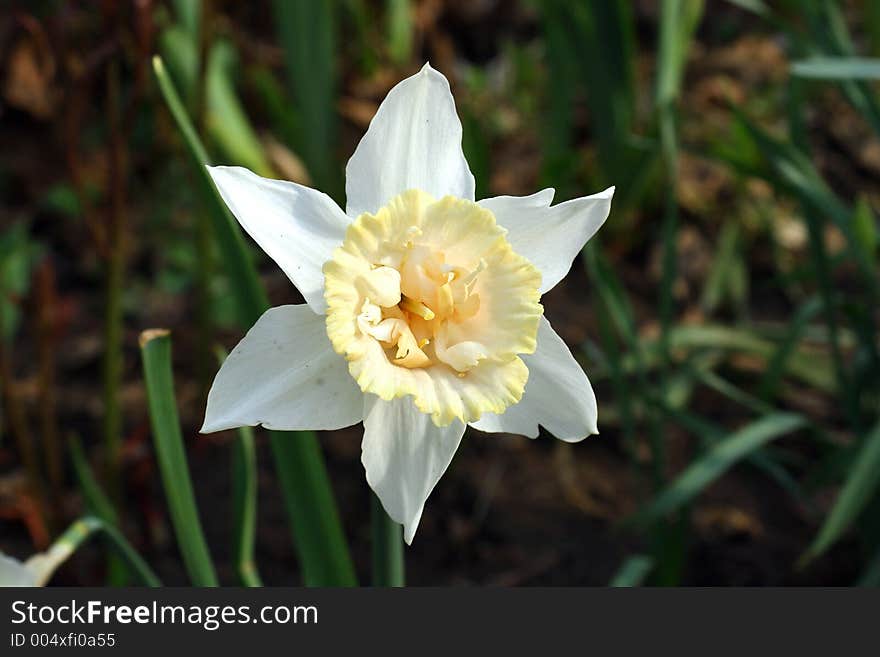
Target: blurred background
x=726 y=313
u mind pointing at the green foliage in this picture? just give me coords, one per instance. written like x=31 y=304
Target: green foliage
x=603 y=105
x=307 y=32
x=708 y=467
x=171 y=457
x=633 y=571
x=859 y=488
x=837 y=68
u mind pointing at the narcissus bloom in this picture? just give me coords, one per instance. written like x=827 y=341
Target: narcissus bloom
x=422 y=309
x=37 y=570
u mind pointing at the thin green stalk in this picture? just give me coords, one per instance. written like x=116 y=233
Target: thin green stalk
x=244 y=499
x=819 y=256
x=622 y=394
x=129 y=555
x=305 y=486
x=861 y=485
x=317 y=532
x=388 y=566
x=307 y=32
x=96 y=500
x=715 y=462
x=168 y=441
x=249 y=293
x=399 y=17
x=633 y=571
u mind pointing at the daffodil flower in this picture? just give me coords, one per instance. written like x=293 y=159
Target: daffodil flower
x=38 y=569
x=422 y=311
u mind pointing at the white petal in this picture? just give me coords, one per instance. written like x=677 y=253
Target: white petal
x=550 y=237
x=284 y=375
x=404 y=455
x=558 y=395
x=297 y=226
x=413 y=142
x=14 y=573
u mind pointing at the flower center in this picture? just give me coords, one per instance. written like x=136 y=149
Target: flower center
x=427 y=298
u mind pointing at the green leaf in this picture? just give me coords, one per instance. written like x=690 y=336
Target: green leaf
x=96 y=500
x=307 y=31
x=678 y=22
x=181 y=53
x=861 y=483
x=871 y=575
x=779 y=362
x=227 y=122
x=246 y=288
x=837 y=68
x=171 y=457
x=189 y=14
x=865 y=227
x=633 y=571
x=244 y=500
x=387 y=535
x=308 y=498
x=715 y=462
x=722 y=274
x=400 y=30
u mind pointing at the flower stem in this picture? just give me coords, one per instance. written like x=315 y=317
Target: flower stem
x=244 y=500
x=388 y=567
x=308 y=498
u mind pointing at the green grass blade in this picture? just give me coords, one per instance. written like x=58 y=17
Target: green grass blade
x=189 y=14
x=244 y=502
x=860 y=485
x=604 y=34
x=793 y=170
x=98 y=504
x=678 y=22
x=830 y=29
x=171 y=457
x=228 y=124
x=622 y=395
x=865 y=227
x=400 y=30
x=633 y=571
x=837 y=68
x=96 y=500
x=129 y=555
x=710 y=434
x=308 y=498
x=871 y=575
x=387 y=535
x=244 y=512
x=716 y=462
x=307 y=31
x=777 y=364
x=245 y=283
x=722 y=274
